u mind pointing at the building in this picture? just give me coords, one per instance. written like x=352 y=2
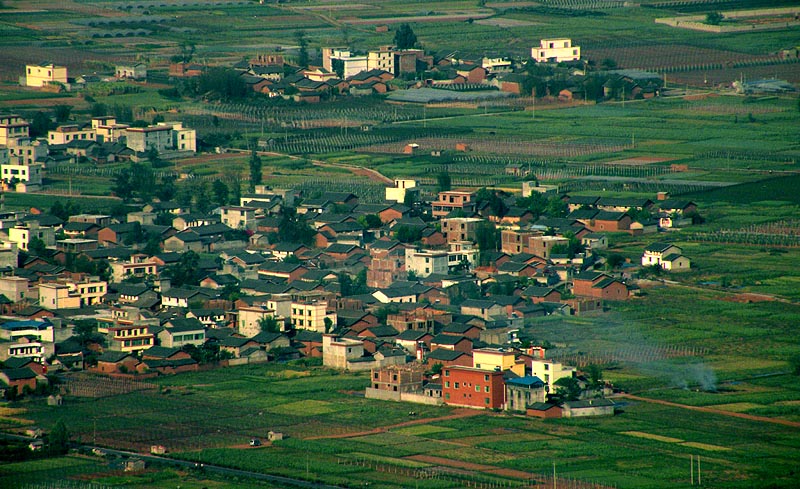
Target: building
x=460 y=228
x=249 y=319
x=163 y=137
x=68 y=133
x=12 y=127
x=550 y=372
x=312 y=315
x=382 y=59
x=497 y=359
x=426 y=262
x=401 y=187
x=472 y=387
x=23 y=234
x=127 y=336
x=524 y=392
x=107 y=129
x=555 y=51
x=238 y=217
x=72 y=295
x=15 y=288
x=137 y=71
x=667 y=256
x=588 y=407
x=343 y=62
x=452 y=200
x=139 y=266
x=45 y=74
x=398 y=378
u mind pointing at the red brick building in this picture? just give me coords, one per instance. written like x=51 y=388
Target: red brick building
x=473 y=387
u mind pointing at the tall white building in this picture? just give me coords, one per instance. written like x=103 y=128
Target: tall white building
x=556 y=50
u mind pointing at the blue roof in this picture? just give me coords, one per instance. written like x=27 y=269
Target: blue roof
x=527 y=381
x=18 y=325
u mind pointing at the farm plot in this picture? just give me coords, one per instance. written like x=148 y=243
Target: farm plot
x=661 y=56
x=506 y=146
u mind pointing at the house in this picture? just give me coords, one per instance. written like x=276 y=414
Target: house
x=413 y=340
x=544 y=410
x=270 y=341
x=538 y=294
x=136 y=71
x=483 y=308
x=127 y=337
x=470 y=331
x=588 y=407
x=20 y=378
x=555 y=51
x=182 y=331
x=183 y=296
x=116 y=361
x=550 y=372
x=237 y=346
x=451 y=342
x=312 y=315
x=472 y=387
x=598 y=285
x=667 y=256
x=451 y=200
x=497 y=359
x=398 y=378
x=45 y=74
x=524 y=392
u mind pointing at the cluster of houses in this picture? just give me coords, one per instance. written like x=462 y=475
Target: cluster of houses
x=23 y=159
x=343 y=71
x=355 y=294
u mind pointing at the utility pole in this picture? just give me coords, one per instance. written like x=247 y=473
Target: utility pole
x=555 y=479
x=691 y=468
x=698 y=471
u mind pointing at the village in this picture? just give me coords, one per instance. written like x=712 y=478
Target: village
x=437 y=299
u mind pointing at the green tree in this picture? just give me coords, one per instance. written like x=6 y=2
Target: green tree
x=497 y=205
x=220 y=191
x=62 y=113
x=99 y=109
x=302 y=43
x=404 y=37
x=58 y=440
x=269 y=324
x=614 y=260
x=714 y=18
x=256 y=172
x=40 y=124
x=594 y=373
x=443 y=182
x=568 y=389
x=167 y=190
x=370 y=221
x=407 y=234
x=185 y=272
x=37 y=247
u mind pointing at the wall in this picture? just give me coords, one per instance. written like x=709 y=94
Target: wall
x=402 y=397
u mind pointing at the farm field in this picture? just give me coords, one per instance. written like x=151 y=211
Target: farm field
x=645 y=445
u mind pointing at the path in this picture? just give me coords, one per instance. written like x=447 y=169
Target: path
x=751 y=417
x=373 y=175
x=458 y=414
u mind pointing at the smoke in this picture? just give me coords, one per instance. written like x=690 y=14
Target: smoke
x=696 y=374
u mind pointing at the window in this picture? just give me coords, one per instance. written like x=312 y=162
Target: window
x=447 y=384
x=486 y=389
x=477 y=388
x=375 y=376
x=446 y=396
x=485 y=377
x=486 y=400
x=447 y=373
x=455 y=386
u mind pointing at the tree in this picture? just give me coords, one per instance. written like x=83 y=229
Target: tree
x=40 y=124
x=370 y=221
x=608 y=64
x=166 y=191
x=407 y=234
x=302 y=42
x=568 y=389
x=404 y=37
x=58 y=441
x=497 y=205
x=487 y=236
x=220 y=191
x=614 y=260
x=443 y=182
x=714 y=18
x=256 y=174
x=595 y=374
x=37 y=247
x=99 y=109
x=62 y=113
x=185 y=272
x=269 y=324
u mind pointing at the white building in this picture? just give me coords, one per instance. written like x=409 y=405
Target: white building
x=164 y=137
x=44 y=74
x=550 y=372
x=426 y=262
x=311 y=315
x=398 y=192
x=667 y=256
x=556 y=51
x=132 y=72
x=350 y=64
x=68 y=133
x=107 y=129
x=382 y=59
x=23 y=234
x=12 y=127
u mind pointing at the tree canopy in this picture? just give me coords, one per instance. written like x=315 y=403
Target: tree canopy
x=404 y=37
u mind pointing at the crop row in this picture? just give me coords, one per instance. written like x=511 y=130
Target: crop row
x=368 y=193
x=81 y=386
x=749 y=238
